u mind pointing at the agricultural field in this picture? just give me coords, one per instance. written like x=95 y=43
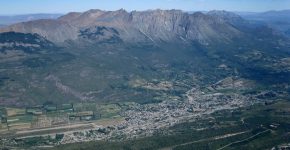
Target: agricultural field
x=15 y=112
x=15 y=119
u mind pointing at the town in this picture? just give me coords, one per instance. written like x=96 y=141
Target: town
x=75 y=122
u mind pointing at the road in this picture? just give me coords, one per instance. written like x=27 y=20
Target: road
x=244 y=139
x=207 y=139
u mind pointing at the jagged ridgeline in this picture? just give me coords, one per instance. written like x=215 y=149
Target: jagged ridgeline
x=148 y=56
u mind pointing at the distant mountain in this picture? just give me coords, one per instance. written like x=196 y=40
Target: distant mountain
x=1 y=25
x=269 y=15
x=279 y=20
x=226 y=15
x=7 y=20
x=231 y=18
x=141 y=56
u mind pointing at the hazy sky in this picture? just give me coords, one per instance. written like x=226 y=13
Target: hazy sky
x=64 y=6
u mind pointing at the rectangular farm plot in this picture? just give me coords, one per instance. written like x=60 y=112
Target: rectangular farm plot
x=15 y=112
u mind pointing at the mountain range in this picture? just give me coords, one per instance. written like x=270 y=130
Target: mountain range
x=141 y=56
x=158 y=25
x=279 y=20
x=11 y=19
x=268 y=15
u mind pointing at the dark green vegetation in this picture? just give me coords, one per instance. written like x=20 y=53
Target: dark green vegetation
x=94 y=34
x=25 y=58
x=256 y=127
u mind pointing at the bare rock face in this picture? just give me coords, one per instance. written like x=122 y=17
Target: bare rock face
x=153 y=25
x=226 y=16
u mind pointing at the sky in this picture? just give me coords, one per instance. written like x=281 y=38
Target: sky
x=13 y=7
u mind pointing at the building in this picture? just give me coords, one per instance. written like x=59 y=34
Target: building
x=84 y=115
x=34 y=111
x=50 y=108
x=66 y=108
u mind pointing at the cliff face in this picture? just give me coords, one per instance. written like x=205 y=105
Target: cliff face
x=154 y=25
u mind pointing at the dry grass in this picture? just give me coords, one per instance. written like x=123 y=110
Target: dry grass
x=20 y=126
x=15 y=112
x=111 y=121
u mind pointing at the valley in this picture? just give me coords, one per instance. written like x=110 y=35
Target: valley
x=156 y=79
x=55 y=125
x=196 y=133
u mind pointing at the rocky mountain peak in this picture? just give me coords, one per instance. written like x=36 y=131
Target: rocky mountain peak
x=223 y=13
x=229 y=17
x=152 y=25
x=93 y=13
x=70 y=16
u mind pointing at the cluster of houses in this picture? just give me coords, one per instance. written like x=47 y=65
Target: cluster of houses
x=84 y=115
